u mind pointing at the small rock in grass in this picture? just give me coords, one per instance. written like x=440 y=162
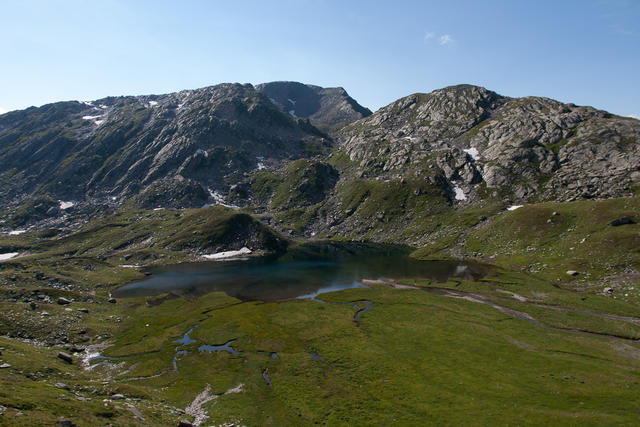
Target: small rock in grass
x=555 y=213
x=83 y=310
x=625 y=220
x=44 y=313
x=183 y=423
x=608 y=291
x=63 y=301
x=5 y=366
x=572 y=273
x=62 y=386
x=65 y=356
x=117 y=396
x=112 y=300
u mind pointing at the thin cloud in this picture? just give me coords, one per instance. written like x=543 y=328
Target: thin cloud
x=428 y=36
x=635 y=116
x=445 y=39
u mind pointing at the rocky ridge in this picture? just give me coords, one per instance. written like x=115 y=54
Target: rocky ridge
x=237 y=145
x=107 y=151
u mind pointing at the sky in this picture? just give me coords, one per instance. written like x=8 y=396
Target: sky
x=586 y=52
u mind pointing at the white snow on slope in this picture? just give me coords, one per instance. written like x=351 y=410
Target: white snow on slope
x=293 y=113
x=472 y=152
x=459 y=193
x=95 y=119
x=153 y=103
x=228 y=254
x=65 y=205
x=16 y=232
x=514 y=207
x=292 y=101
x=218 y=199
x=8 y=255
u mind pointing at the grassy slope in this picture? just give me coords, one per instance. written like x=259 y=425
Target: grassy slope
x=416 y=358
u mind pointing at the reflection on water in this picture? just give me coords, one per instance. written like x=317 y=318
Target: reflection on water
x=304 y=272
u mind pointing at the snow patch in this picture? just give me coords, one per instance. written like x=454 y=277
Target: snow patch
x=292 y=101
x=16 y=232
x=261 y=166
x=153 y=103
x=66 y=205
x=459 y=192
x=472 y=152
x=292 y=113
x=228 y=254
x=8 y=255
x=95 y=119
x=158 y=209
x=218 y=199
x=129 y=266
x=514 y=207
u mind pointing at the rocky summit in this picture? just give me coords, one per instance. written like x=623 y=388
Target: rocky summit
x=327 y=108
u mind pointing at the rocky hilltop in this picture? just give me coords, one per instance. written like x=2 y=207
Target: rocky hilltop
x=327 y=108
x=311 y=159
x=487 y=145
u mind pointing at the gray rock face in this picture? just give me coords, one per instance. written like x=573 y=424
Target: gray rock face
x=527 y=148
x=327 y=108
x=115 y=148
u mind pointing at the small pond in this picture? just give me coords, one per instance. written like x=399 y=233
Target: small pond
x=303 y=272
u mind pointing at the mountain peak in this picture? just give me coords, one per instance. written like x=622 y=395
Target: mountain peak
x=326 y=108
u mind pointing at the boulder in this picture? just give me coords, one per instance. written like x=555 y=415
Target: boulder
x=625 y=220
x=572 y=273
x=63 y=301
x=66 y=357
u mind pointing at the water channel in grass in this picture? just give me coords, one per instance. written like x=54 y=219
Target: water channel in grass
x=303 y=272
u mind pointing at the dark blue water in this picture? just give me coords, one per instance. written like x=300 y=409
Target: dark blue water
x=304 y=272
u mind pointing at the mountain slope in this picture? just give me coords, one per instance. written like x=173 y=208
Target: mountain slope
x=486 y=145
x=116 y=148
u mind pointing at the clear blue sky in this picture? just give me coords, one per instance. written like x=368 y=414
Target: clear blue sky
x=586 y=52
